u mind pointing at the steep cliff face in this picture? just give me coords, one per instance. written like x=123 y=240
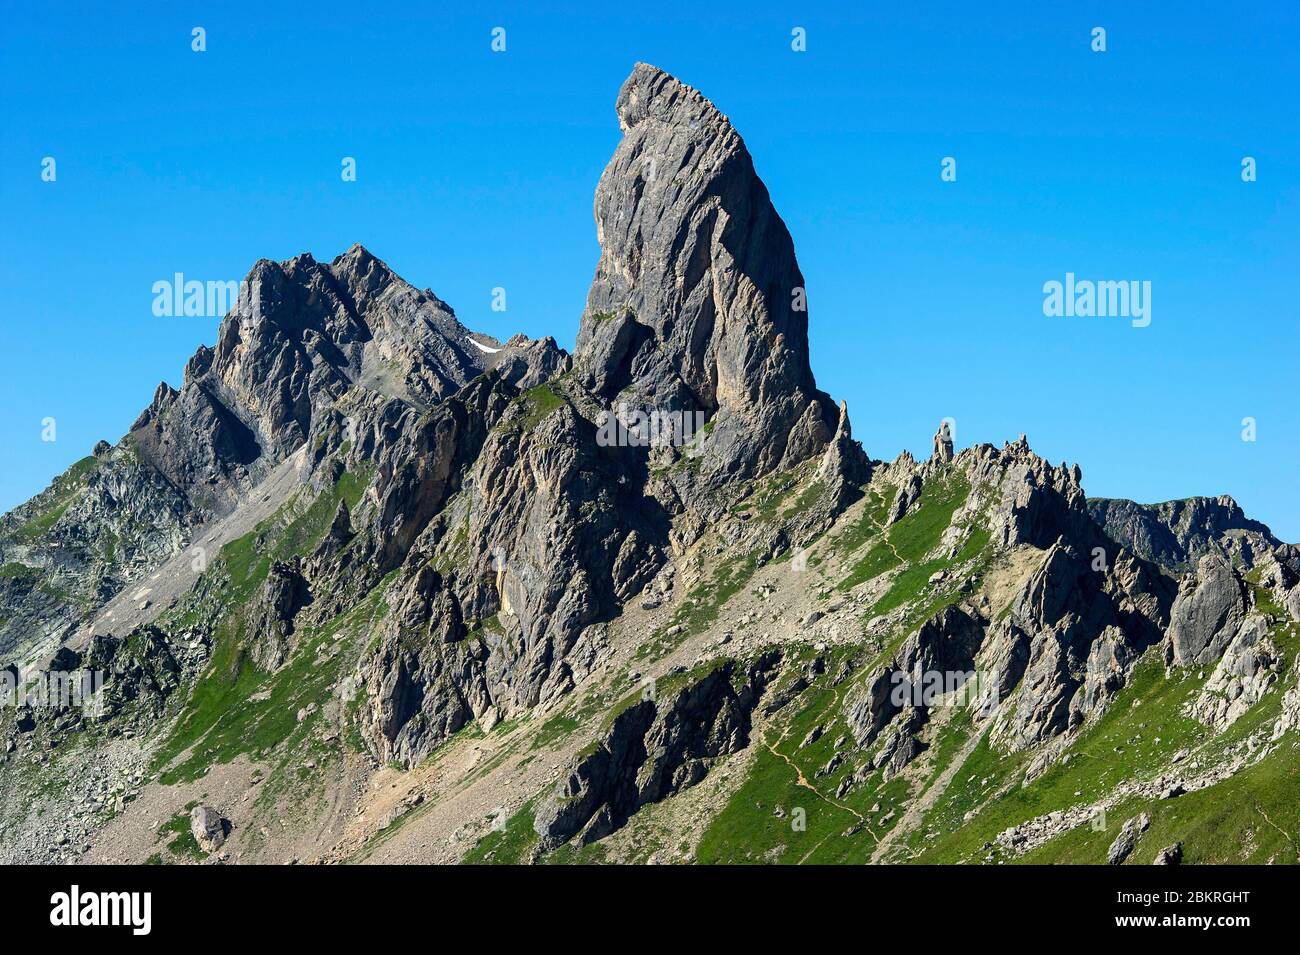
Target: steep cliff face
x=504 y=592
x=1176 y=534
x=698 y=303
x=1070 y=625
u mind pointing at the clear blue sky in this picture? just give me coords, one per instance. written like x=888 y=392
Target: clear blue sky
x=477 y=170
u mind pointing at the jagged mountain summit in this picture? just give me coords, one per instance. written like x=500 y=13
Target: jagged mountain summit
x=371 y=586
x=302 y=336
x=698 y=302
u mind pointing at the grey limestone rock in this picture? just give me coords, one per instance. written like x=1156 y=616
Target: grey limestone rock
x=1127 y=839
x=1210 y=607
x=208 y=828
x=698 y=303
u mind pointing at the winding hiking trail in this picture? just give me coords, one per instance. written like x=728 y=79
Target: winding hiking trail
x=803 y=782
x=884 y=535
x=1260 y=809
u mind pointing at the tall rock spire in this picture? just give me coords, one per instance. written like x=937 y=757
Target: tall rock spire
x=698 y=302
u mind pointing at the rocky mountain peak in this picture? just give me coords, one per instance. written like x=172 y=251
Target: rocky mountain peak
x=301 y=335
x=698 y=303
x=365 y=277
x=650 y=95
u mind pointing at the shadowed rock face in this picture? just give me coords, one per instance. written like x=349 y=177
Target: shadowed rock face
x=552 y=540
x=302 y=334
x=697 y=303
x=947 y=644
x=655 y=748
x=1176 y=533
